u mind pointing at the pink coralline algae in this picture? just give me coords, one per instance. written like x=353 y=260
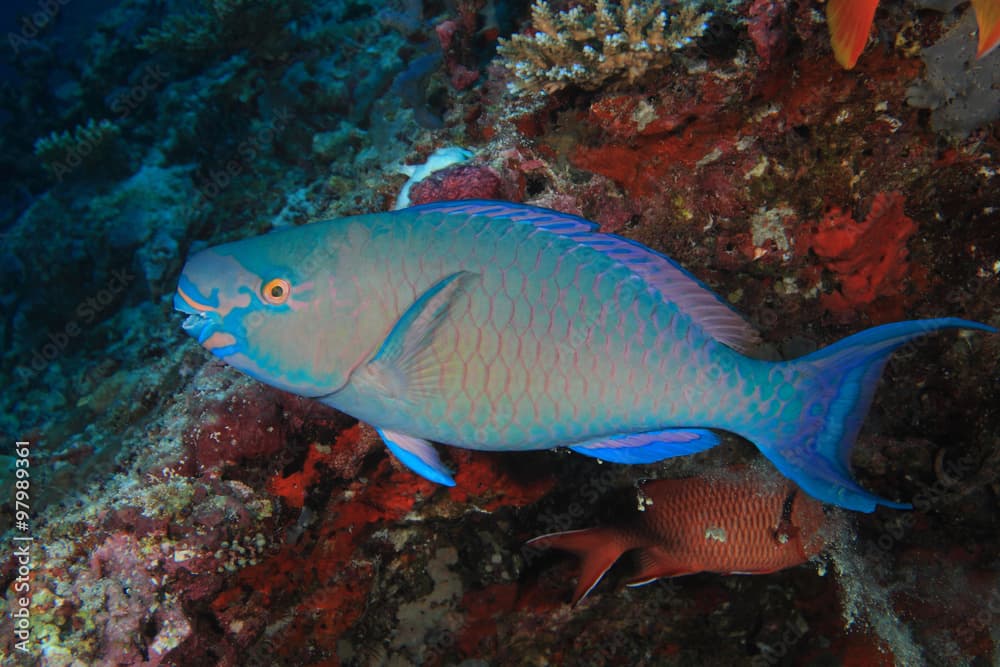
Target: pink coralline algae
x=460 y=182
x=767 y=29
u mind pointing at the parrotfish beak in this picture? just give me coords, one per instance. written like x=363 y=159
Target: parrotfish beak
x=200 y=314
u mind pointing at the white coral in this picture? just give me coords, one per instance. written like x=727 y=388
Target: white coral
x=586 y=49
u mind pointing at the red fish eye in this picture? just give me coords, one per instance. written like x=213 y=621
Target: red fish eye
x=276 y=291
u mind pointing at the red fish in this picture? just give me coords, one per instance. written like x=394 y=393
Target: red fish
x=731 y=526
x=988 y=18
x=850 y=21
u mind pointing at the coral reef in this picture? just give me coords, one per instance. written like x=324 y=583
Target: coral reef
x=184 y=514
x=225 y=26
x=89 y=144
x=589 y=47
x=868 y=258
x=962 y=93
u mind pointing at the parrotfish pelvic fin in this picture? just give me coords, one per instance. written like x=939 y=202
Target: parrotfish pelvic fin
x=838 y=383
x=403 y=368
x=648 y=447
x=597 y=548
x=418 y=455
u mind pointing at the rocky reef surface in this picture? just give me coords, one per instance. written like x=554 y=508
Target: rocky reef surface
x=180 y=513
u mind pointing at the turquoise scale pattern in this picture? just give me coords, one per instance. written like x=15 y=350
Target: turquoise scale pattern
x=555 y=343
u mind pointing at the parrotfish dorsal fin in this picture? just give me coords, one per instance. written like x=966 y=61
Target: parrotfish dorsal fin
x=552 y=221
x=669 y=279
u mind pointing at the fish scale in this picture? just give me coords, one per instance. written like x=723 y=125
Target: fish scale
x=734 y=522
x=498 y=326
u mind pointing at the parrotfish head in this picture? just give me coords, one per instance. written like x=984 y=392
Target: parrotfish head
x=251 y=304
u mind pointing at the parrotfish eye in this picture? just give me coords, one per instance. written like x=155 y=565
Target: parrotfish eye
x=276 y=291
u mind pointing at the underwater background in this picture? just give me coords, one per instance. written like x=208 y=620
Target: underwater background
x=159 y=508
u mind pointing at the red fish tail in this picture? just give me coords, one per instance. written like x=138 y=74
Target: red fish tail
x=988 y=18
x=597 y=548
x=850 y=21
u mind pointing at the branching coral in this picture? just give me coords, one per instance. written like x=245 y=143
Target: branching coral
x=62 y=152
x=587 y=48
x=223 y=26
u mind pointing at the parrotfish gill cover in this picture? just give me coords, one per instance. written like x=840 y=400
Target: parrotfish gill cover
x=498 y=326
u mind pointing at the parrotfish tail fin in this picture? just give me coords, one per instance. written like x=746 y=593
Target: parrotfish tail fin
x=598 y=549
x=849 y=21
x=988 y=18
x=834 y=388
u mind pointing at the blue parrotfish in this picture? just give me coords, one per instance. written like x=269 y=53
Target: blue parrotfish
x=504 y=327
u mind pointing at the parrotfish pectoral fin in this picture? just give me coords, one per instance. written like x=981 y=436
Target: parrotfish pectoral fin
x=988 y=18
x=597 y=548
x=648 y=447
x=403 y=368
x=418 y=455
x=849 y=21
x=813 y=448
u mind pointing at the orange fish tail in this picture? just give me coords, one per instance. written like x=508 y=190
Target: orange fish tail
x=988 y=18
x=597 y=548
x=850 y=21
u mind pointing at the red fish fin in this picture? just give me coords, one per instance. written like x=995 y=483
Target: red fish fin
x=988 y=18
x=598 y=549
x=850 y=21
x=656 y=563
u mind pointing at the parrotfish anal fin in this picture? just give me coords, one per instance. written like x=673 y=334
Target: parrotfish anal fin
x=656 y=563
x=649 y=447
x=404 y=368
x=418 y=455
x=691 y=296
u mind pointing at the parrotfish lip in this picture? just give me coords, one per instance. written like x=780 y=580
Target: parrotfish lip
x=186 y=304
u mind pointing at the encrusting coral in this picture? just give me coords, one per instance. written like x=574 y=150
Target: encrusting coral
x=587 y=48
